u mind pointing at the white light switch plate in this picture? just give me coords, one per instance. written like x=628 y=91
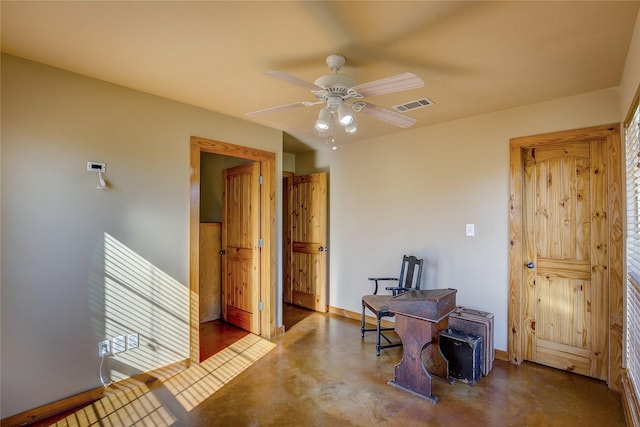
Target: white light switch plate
x=471 y=230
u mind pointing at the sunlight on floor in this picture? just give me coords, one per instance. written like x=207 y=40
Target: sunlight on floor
x=197 y=383
x=153 y=406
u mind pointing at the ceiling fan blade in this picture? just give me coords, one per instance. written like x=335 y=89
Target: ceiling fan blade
x=283 y=107
x=399 y=82
x=385 y=114
x=292 y=79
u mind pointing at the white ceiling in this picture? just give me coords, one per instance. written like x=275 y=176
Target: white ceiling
x=475 y=57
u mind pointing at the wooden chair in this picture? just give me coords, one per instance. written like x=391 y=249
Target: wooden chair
x=409 y=279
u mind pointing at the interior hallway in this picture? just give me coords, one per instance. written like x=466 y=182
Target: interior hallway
x=321 y=372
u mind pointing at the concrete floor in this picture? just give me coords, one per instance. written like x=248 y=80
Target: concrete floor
x=322 y=373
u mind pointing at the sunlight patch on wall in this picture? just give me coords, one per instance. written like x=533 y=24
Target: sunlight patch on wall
x=140 y=298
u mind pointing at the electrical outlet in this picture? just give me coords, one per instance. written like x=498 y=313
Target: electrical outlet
x=132 y=341
x=119 y=344
x=104 y=348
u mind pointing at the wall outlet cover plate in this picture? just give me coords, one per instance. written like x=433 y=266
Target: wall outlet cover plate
x=119 y=344
x=104 y=348
x=132 y=341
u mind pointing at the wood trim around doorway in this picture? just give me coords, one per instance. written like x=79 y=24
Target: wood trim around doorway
x=615 y=192
x=267 y=226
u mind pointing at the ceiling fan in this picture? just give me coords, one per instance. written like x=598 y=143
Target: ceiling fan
x=338 y=92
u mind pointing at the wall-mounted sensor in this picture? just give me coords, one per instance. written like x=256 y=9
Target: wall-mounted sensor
x=100 y=168
x=96 y=167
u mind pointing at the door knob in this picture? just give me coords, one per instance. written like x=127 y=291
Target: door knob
x=222 y=252
x=323 y=249
x=530 y=264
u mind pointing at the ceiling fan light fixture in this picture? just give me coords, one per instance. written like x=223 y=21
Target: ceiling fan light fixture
x=352 y=127
x=342 y=98
x=344 y=116
x=323 y=123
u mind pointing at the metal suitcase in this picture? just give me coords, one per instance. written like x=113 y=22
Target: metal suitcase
x=464 y=354
x=479 y=323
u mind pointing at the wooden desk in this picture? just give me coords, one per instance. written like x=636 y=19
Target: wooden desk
x=420 y=315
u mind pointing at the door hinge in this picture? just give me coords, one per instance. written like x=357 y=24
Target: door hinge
x=260 y=179
x=260 y=306
x=260 y=243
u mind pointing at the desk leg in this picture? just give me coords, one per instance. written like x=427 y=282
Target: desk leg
x=432 y=357
x=410 y=374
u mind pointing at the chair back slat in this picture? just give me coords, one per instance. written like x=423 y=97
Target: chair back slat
x=409 y=277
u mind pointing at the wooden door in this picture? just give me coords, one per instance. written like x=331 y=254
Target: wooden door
x=562 y=194
x=286 y=237
x=240 y=242
x=565 y=212
x=308 y=198
x=210 y=271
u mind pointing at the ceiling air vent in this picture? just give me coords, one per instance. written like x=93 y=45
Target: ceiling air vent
x=413 y=105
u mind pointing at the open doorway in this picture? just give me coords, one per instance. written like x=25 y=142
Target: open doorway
x=264 y=288
x=218 y=329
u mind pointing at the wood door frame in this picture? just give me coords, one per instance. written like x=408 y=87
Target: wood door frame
x=615 y=192
x=267 y=226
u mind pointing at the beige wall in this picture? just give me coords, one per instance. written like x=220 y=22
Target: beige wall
x=630 y=82
x=314 y=161
x=212 y=167
x=81 y=264
x=288 y=162
x=414 y=193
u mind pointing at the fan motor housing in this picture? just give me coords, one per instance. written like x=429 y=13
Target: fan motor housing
x=335 y=83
